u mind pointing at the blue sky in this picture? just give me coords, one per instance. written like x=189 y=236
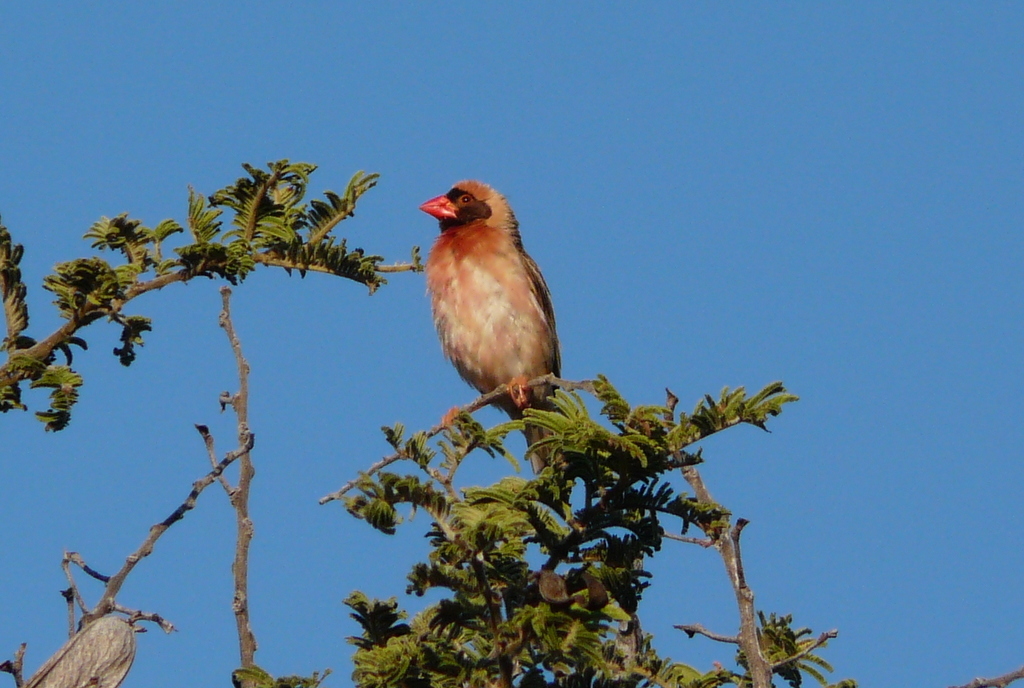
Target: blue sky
x=827 y=194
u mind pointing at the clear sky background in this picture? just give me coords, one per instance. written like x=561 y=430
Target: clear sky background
x=826 y=194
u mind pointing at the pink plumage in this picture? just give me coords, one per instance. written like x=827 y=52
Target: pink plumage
x=491 y=306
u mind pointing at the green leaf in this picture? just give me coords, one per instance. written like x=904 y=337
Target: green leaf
x=64 y=384
x=84 y=286
x=12 y=289
x=131 y=336
x=120 y=234
x=323 y=217
x=202 y=219
x=264 y=202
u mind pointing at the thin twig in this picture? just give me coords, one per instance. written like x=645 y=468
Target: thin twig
x=400 y=267
x=703 y=542
x=741 y=523
x=472 y=407
x=697 y=629
x=997 y=682
x=106 y=603
x=136 y=615
x=69 y=598
x=76 y=559
x=239 y=496
x=14 y=666
x=72 y=595
x=204 y=432
x=821 y=640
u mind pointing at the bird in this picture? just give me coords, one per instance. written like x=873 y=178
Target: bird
x=490 y=303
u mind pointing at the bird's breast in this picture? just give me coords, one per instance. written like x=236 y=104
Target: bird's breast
x=490 y=322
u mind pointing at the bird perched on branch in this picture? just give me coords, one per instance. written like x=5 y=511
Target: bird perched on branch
x=491 y=306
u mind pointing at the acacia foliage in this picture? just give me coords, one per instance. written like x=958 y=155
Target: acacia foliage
x=269 y=223
x=543 y=578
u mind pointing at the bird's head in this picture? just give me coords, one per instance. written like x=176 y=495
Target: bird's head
x=471 y=201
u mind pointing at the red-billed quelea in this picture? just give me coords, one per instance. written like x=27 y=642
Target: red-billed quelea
x=492 y=308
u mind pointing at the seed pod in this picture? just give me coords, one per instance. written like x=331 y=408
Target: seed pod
x=98 y=656
x=552 y=587
x=597 y=595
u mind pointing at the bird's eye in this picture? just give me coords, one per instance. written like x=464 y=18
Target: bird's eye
x=465 y=199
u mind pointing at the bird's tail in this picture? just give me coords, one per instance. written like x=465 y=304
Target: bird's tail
x=539 y=457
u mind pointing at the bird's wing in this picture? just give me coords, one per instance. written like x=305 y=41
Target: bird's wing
x=543 y=295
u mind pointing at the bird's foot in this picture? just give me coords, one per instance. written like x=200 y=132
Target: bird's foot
x=448 y=418
x=519 y=392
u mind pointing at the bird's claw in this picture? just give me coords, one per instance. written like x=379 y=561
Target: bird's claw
x=519 y=392
x=448 y=418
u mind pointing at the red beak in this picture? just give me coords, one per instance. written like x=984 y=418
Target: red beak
x=441 y=207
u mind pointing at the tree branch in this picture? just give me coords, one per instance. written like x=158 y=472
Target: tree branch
x=239 y=496
x=14 y=666
x=728 y=546
x=703 y=542
x=107 y=603
x=41 y=350
x=472 y=407
x=72 y=595
x=997 y=682
x=401 y=267
x=697 y=629
x=91 y=312
x=204 y=432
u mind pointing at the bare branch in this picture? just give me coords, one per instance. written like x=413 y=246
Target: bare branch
x=106 y=603
x=239 y=496
x=14 y=666
x=728 y=546
x=741 y=523
x=696 y=629
x=76 y=559
x=136 y=615
x=400 y=267
x=71 y=595
x=997 y=682
x=703 y=542
x=69 y=598
x=204 y=432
